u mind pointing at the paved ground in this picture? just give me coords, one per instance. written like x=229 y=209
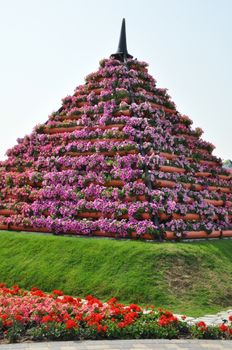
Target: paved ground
x=217 y=319
x=146 y=344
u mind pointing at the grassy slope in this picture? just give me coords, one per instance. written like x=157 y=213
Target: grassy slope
x=192 y=278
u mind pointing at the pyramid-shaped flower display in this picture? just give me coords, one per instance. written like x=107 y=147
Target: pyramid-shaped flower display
x=117 y=159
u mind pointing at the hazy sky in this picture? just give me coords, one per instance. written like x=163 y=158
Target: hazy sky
x=47 y=47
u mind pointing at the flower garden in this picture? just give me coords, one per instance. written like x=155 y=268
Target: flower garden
x=35 y=315
x=116 y=160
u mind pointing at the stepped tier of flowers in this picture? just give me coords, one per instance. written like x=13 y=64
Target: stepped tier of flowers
x=35 y=315
x=118 y=160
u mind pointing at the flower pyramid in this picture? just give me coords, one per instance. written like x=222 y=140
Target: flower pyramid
x=117 y=159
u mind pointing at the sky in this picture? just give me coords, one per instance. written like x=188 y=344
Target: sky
x=47 y=47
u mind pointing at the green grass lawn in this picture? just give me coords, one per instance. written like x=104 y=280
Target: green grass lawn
x=192 y=278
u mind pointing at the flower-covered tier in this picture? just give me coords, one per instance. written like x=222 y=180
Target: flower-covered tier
x=117 y=160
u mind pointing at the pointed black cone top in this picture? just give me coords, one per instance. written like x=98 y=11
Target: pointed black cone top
x=122 y=53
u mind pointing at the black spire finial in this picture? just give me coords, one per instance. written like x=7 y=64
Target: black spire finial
x=122 y=53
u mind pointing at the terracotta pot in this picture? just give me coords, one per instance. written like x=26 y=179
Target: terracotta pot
x=227 y=233
x=146 y=216
x=124 y=99
x=168 y=110
x=188 y=216
x=110 y=126
x=82 y=103
x=123 y=216
x=91 y=214
x=163 y=216
x=62 y=130
x=169 y=235
x=125 y=112
x=171 y=169
x=148 y=237
x=35 y=184
x=141 y=198
x=225 y=177
x=166 y=183
x=202 y=234
x=103 y=234
x=98 y=79
x=168 y=155
x=222 y=189
x=40 y=229
x=97 y=91
x=114 y=183
x=202 y=174
x=19 y=228
x=215 y=202
x=7 y=212
x=70 y=117
x=3 y=227
x=229 y=204
x=208 y=162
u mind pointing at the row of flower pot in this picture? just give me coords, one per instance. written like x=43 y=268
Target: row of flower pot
x=169 y=235
x=196 y=187
x=107 y=153
x=61 y=130
x=172 y=156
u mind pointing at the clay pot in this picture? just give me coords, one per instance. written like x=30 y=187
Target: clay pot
x=7 y=212
x=169 y=235
x=188 y=216
x=82 y=103
x=171 y=169
x=202 y=174
x=168 y=110
x=208 y=162
x=222 y=189
x=125 y=112
x=148 y=237
x=97 y=91
x=91 y=214
x=168 y=155
x=227 y=233
x=141 y=198
x=146 y=216
x=163 y=216
x=166 y=183
x=103 y=234
x=70 y=117
x=62 y=130
x=202 y=234
x=114 y=183
x=3 y=227
x=225 y=177
x=215 y=202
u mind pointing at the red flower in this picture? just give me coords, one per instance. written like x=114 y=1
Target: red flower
x=18 y=318
x=38 y=293
x=46 y=319
x=3 y=316
x=135 y=307
x=58 y=292
x=112 y=301
x=183 y=317
x=71 y=324
x=223 y=327
x=230 y=318
x=121 y=324
x=201 y=324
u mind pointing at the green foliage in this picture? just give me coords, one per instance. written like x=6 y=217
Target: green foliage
x=192 y=278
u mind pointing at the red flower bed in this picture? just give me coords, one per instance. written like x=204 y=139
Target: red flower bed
x=36 y=315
